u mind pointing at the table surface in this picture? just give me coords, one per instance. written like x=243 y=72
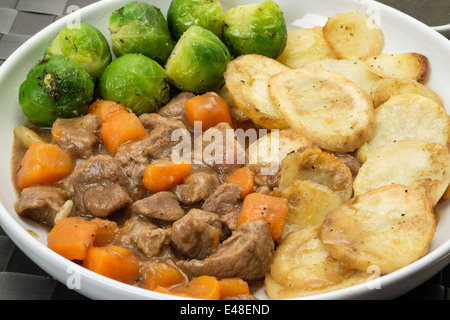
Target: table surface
x=21 y=278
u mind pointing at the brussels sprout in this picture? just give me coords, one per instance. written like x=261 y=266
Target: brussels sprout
x=139 y=27
x=136 y=81
x=255 y=28
x=198 y=61
x=204 y=13
x=56 y=87
x=86 y=45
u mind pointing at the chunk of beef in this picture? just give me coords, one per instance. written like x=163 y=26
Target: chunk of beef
x=144 y=236
x=175 y=108
x=221 y=149
x=197 y=187
x=42 y=203
x=79 y=136
x=102 y=173
x=225 y=199
x=151 y=120
x=230 y=220
x=246 y=254
x=135 y=156
x=163 y=205
x=197 y=234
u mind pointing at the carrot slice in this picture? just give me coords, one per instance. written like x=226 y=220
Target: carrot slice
x=106 y=233
x=203 y=287
x=43 y=163
x=160 y=274
x=72 y=237
x=210 y=109
x=121 y=127
x=114 y=262
x=232 y=287
x=243 y=177
x=271 y=209
x=106 y=108
x=163 y=176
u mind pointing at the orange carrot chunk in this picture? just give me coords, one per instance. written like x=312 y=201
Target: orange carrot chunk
x=160 y=274
x=163 y=176
x=271 y=209
x=43 y=163
x=232 y=287
x=72 y=237
x=106 y=233
x=203 y=287
x=210 y=109
x=106 y=108
x=121 y=127
x=114 y=262
x=243 y=177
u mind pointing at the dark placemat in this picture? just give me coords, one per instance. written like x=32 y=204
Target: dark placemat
x=21 y=278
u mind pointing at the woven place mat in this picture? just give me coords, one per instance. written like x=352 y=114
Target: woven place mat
x=21 y=278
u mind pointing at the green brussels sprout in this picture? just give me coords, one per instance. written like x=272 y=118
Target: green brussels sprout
x=255 y=28
x=198 y=61
x=139 y=27
x=56 y=87
x=136 y=81
x=204 y=13
x=86 y=45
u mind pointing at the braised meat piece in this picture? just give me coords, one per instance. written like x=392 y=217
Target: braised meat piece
x=197 y=234
x=246 y=254
x=79 y=136
x=144 y=236
x=226 y=199
x=197 y=187
x=163 y=205
x=102 y=173
x=42 y=203
x=175 y=108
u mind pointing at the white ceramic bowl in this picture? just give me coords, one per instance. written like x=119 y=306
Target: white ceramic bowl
x=402 y=34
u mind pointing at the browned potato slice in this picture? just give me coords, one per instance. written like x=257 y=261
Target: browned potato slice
x=355 y=71
x=399 y=66
x=309 y=202
x=408 y=116
x=305 y=46
x=387 y=88
x=320 y=167
x=325 y=107
x=353 y=36
x=389 y=227
x=424 y=166
x=247 y=78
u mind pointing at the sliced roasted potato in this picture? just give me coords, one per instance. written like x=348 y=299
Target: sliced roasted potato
x=387 y=88
x=26 y=136
x=353 y=36
x=320 y=167
x=247 y=78
x=355 y=71
x=389 y=227
x=305 y=46
x=424 y=166
x=269 y=150
x=408 y=116
x=301 y=261
x=309 y=202
x=412 y=66
x=325 y=107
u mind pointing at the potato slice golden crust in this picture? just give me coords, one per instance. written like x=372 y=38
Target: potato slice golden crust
x=408 y=117
x=301 y=261
x=387 y=88
x=399 y=66
x=389 y=227
x=424 y=166
x=320 y=167
x=356 y=71
x=353 y=36
x=309 y=202
x=325 y=107
x=305 y=46
x=247 y=78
